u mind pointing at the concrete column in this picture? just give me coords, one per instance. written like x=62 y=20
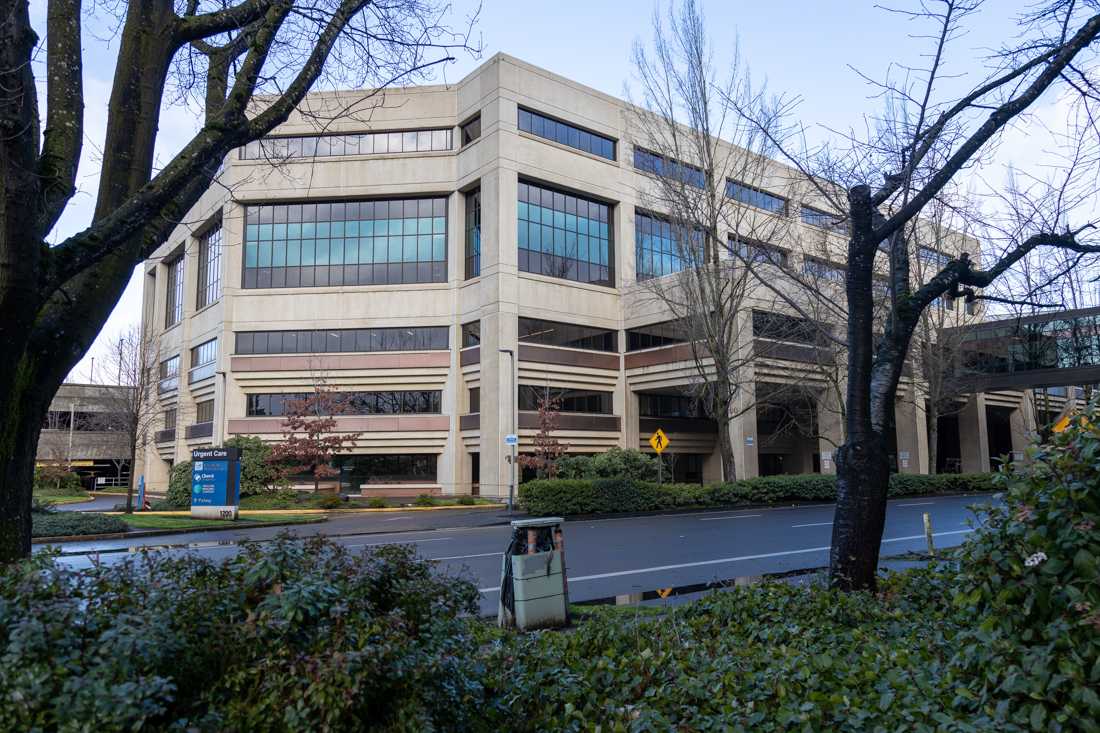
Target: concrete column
x=974 y=435
x=631 y=417
x=743 y=432
x=1022 y=422
x=912 y=432
x=830 y=428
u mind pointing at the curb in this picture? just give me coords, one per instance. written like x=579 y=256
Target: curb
x=156 y=533
x=357 y=510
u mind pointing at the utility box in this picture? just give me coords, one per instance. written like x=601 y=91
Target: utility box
x=534 y=590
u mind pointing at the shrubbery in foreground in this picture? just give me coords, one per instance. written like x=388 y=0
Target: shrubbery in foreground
x=546 y=497
x=295 y=636
x=303 y=636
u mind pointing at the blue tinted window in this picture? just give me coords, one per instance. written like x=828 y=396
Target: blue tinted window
x=545 y=243
x=566 y=134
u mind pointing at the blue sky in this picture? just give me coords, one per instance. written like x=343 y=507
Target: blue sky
x=803 y=49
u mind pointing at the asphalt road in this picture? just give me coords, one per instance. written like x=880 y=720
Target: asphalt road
x=605 y=557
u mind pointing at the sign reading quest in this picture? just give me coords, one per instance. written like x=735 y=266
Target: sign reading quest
x=215 y=483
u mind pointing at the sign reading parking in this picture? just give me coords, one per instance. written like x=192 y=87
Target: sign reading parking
x=215 y=483
x=659 y=441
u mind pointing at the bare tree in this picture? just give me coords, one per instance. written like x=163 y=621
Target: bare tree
x=133 y=409
x=884 y=182
x=247 y=65
x=701 y=212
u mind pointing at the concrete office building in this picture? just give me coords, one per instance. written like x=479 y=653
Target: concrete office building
x=453 y=242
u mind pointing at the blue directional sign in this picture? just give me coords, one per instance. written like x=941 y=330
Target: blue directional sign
x=215 y=483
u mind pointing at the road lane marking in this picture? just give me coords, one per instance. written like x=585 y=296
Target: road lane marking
x=718 y=519
x=464 y=557
x=399 y=542
x=919 y=503
x=724 y=560
x=812 y=524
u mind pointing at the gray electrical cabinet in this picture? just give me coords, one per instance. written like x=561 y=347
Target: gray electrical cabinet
x=534 y=589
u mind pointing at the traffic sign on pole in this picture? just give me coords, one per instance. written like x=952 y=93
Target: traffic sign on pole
x=659 y=441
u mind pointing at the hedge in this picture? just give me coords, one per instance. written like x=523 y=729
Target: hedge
x=545 y=497
x=63 y=524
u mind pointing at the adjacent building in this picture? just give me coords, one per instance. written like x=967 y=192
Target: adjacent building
x=85 y=429
x=444 y=255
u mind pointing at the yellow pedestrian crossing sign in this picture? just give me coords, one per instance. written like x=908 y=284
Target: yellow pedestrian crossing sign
x=659 y=441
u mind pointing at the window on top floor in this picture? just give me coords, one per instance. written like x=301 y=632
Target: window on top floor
x=752 y=196
x=549 y=128
x=564 y=235
x=824 y=219
x=317 y=244
x=471 y=130
x=666 y=167
x=370 y=143
x=823 y=269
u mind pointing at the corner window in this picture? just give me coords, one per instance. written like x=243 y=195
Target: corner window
x=173 y=302
x=210 y=268
x=564 y=235
x=473 y=234
x=471 y=130
x=471 y=334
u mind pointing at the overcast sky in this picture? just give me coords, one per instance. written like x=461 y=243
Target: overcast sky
x=804 y=49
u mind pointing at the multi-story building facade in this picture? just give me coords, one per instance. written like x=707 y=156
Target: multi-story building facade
x=446 y=257
x=86 y=429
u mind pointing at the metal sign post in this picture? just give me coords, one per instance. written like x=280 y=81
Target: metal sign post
x=511 y=439
x=659 y=441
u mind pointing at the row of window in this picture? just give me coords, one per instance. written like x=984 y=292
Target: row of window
x=399 y=402
x=371 y=143
x=346 y=243
x=83 y=421
x=345 y=340
x=566 y=400
x=565 y=133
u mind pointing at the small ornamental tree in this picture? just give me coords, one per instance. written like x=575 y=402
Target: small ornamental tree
x=548 y=449
x=310 y=438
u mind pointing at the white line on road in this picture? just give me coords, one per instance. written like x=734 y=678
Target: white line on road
x=918 y=503
x=812 y=524
x=723 y=560
x=718 y=519
x=399 y=542
x=394 y=519
x=464 y=557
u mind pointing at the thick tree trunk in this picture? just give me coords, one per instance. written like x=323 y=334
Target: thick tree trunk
x=863 y=474
x=21 y=423
x=725 y=448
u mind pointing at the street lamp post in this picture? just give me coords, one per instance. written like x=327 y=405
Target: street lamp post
x=512 y=482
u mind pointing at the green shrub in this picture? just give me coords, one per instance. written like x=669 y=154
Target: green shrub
x=179 y=486
x=63 y=524
x=546 y=497
x=466 y=500
x=424 y=500
x=288 y=635
x=1032 y=576
x=615 y=463
x=258 y=475
x=377 y=502
x=329 y=502
x=50 y=481
x=758 y=658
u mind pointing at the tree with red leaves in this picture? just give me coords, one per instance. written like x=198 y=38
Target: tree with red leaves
x=310 y=438
x=548 y=449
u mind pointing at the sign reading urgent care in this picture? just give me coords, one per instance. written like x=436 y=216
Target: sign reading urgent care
x=215 y=483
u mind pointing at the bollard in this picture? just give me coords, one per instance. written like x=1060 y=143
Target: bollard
x=559 y=545
x=928 y=534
